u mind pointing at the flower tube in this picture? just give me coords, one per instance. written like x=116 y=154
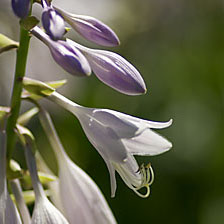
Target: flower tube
x=17 y=191
x=65 y=55
x=81 y=199
x=113 y=70
x=117 y=137
x=91 y=28
x=8 y=211
x=44 y=211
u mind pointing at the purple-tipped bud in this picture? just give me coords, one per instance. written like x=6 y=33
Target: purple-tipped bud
x=92 y=29
x=66 y=55
x=21 y=8
x=114 y=70
x=70 y=59
x=53 y=23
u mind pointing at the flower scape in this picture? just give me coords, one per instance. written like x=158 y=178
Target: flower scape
x=72 y=196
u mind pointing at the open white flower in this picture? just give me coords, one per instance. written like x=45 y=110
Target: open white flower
x=117 y=137
x=80 y=198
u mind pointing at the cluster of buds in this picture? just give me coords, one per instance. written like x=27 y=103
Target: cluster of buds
x=74 y=196
x=78 y=60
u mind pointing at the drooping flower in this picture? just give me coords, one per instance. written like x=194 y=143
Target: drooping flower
x=21 y=7
x=66 y=55
x=80 y=198
x=113 y=70
x=44 y=210
x=53 y=22
x=91 y=28
x=8 y=211
x=117 y=137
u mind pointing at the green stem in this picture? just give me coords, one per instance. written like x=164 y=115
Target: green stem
x=21 y=60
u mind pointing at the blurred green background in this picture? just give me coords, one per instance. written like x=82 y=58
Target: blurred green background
x=178 y=46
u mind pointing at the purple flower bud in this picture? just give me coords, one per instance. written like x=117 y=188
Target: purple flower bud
x=92 y=29
x=53 y=23
x=66 y=55
x=21 y=8
x=113 y=70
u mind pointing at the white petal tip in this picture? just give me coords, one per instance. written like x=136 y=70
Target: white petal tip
x=170 y=121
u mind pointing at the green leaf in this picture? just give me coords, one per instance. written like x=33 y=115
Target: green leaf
x=29 y=22
x=7 y=43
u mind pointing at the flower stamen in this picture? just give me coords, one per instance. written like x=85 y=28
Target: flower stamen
x=147 y=177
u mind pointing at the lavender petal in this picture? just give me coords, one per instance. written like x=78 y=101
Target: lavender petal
x=21 y=7
x=91 y=29
x=53 y=23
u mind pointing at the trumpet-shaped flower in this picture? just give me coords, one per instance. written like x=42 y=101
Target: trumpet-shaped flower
x=66 y=55
x=44 y=211
x=53 y=22
x=8 y=211
x=117 y=137
x=91 y=29
x=113 y=70
x=21 y=8
x=80 y=198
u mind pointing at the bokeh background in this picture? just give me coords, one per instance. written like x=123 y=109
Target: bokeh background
x=178 y=46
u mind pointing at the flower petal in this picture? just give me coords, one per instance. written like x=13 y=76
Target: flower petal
x=90 y=28
x=139 y=122
x=129 y=171
x=53 y=23
x=103 y=138
x=21 y=8
x=70 y=59
x=113 y=183
x=76 y=189
x=123 y=127
x=66 y=55
x=147 y=143
x=45 y=212
x=114 y=70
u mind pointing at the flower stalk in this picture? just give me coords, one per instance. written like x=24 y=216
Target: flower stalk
x=20 y=70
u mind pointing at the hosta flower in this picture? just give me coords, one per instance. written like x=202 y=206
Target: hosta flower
x=113 y=70
x=8 y=211
x=44 y=211
x=53 y=22
x=21 y=8
x=117 y=137
x=91 y=29
x=81 y=199
x=67 y=56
